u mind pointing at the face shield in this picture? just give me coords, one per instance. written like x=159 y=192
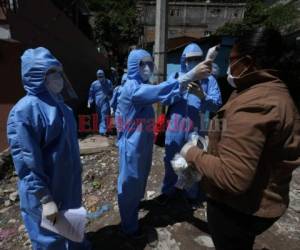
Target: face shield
x=100 y=75
x=192 y=61
x=58 y=84
x=101 y=79
x=146 y=68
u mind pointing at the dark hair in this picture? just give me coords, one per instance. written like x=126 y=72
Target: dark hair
x=271 y=51
x=264 y=45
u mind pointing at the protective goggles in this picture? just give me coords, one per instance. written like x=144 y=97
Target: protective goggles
x=68 y=92
x=147 y=61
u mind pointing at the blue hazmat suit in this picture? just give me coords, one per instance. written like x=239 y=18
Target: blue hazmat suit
x=114 y=106
x=124 y=78
x=42 y=136
x=187 y=114
x=114 y=100
x=100 y=94
x=136 y=141
x=116 y=93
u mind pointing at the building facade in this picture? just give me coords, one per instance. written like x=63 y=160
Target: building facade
x=190 y=19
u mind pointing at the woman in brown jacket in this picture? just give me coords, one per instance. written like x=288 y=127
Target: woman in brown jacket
x=254 y=145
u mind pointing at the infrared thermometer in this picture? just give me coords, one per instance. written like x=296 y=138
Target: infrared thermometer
x=212 y=53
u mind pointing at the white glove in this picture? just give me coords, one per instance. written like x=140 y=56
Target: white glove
x=88 y=105
x=199 y=72
x=212 y=53
x=50 y=211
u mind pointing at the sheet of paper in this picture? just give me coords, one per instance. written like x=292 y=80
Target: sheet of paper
x=70 y=224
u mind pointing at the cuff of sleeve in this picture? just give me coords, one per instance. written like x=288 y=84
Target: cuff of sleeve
x=178 y=89
x=194 y=155
x=191 y=153
x=45 y=199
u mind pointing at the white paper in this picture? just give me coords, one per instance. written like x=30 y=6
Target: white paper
x=69 y=224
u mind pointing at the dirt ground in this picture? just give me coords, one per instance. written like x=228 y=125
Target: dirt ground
x=175 y=226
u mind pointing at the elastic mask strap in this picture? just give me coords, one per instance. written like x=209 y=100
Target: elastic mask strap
x=230 y=66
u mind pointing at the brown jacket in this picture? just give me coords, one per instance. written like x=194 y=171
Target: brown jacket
x=254 y=145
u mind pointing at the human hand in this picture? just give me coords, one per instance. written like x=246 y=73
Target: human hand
x=89 y=105
x=200 y=71
x=196 y=90
x=50 y=211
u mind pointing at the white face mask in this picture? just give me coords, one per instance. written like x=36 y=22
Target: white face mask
x=146 y=73
x=230 y=78
x=55 y=82
x=101 y=79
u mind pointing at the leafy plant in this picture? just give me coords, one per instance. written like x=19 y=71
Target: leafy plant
x=116 y=24
x=257 y=13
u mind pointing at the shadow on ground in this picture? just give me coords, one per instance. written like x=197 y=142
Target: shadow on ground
x=155 y=216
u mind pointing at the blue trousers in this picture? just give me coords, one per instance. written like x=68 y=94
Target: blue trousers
x=103 y=112
x=133 y=175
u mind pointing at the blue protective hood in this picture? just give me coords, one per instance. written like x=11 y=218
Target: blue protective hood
x=133 y=62
x=34 y=65
x=191 y=48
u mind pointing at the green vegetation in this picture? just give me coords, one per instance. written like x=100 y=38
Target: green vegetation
x=280 y=16
x=116 y=24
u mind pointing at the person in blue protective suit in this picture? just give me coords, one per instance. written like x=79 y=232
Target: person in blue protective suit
x=116 y=93
x=100 y=93
x=136 y=141
x=187 y=114
x=42 y=136
x=114 y=106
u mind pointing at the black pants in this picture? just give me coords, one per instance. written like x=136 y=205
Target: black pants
x=232 y=230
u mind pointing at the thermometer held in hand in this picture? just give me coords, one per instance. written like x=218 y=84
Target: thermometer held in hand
x=212 y=53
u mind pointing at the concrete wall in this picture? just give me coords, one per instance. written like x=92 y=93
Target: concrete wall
x=188 y=19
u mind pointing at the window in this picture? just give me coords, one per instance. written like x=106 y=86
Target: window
x=215 y=12
x=174 y=12
x=235 y=14
x=207 y=33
